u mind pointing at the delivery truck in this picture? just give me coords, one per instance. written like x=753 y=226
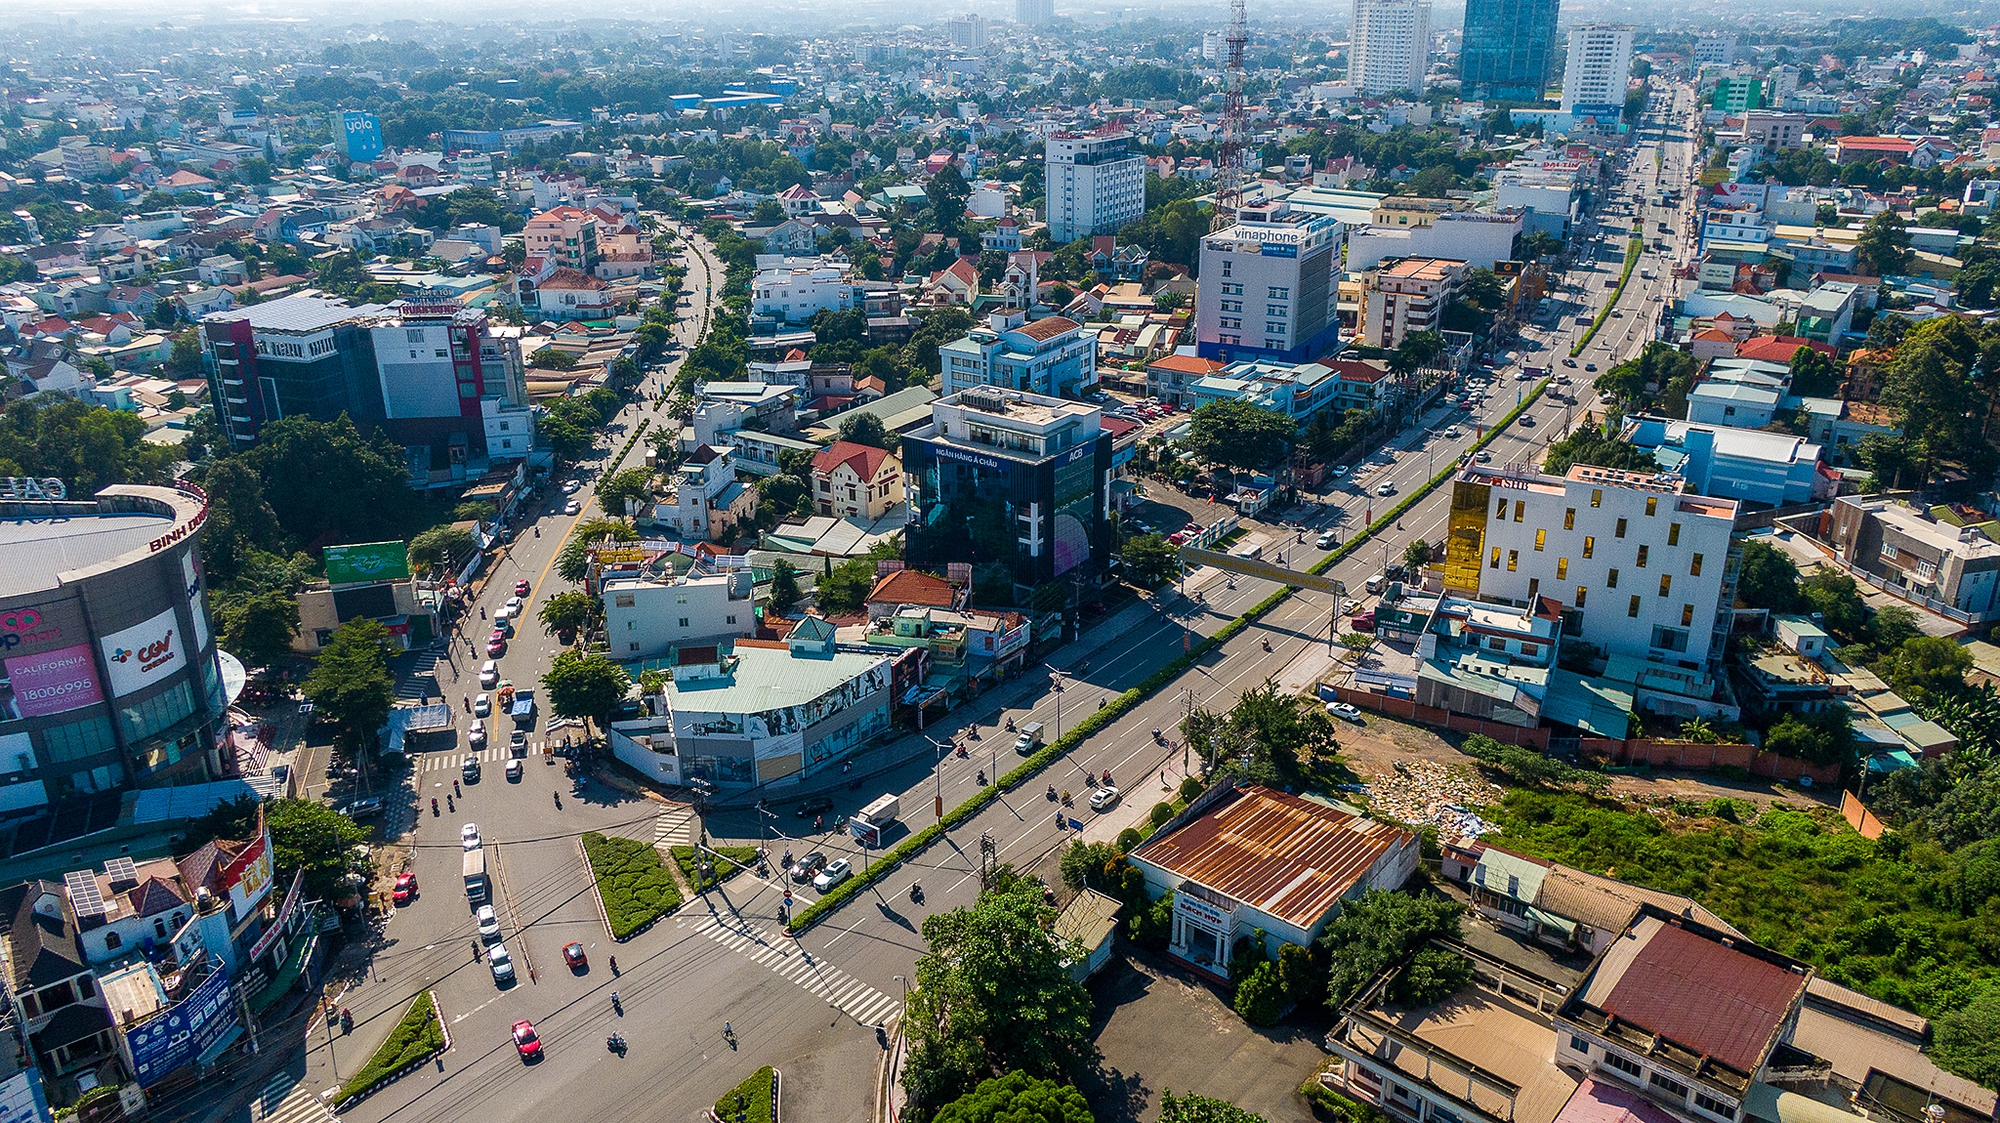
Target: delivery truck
x=869 y=822
x=475 y=875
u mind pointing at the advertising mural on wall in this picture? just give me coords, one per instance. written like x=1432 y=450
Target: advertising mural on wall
x=49 y=682
x=366 y=561
x=248 y=877
x=191 y=581
x=143 y=654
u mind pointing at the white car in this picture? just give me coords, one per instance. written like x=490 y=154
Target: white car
x=489 y=674
x=514 y=771
x=1344 y=712
x=1385 y=488
x=1452 y=433
x=1103 y=798
x=1326 y=540
x=1338 y=470
x=482 y=705
x=501 y=963
x=476 y=734
x=571 y=507
x=569 y=486
x=468 y=836
x=833 y=875
x=513 y=606
x=489 y=924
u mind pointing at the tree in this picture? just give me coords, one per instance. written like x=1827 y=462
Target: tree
x=1926 y=666
x=1418 y=350
x=1238 y=434
x=88 y=447
x=1837 y=599
x=993 y=994
x=1968 y=1039
x=1376 y=931
x=1260 y=997
x=585 y=686
x=186 y=358
x=1884 y=244
x=1527 y=767
x=567 y=611
x=1929 y=382
x=1434 y=182
x=1767 y=578
x=1417 y=554
x=308 y=835
x=1191 y=1108
x=350 y=684
x=784 y=587
x=1482 y=290
x=864 y=428
x=1820 y=737
x=239 y=520
x=1814 y=375
x=443 y=546
x=258 y=629
x=947 y=192
x=1431 y=976
x=635 y=484
x=1167 y=300
x=846 y=588
x=1018 y=1098
x=1540 y=244
x=767 y=212
x=553 y=358
x=326 y=483
x=1150 y=560
x=1593 y=446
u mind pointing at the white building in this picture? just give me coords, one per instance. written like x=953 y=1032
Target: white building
x=1640 y=566
x=1595 y=73
x=1475 y=238
x=968 y=31
x=1714 y=50
x=1392 y=40
x=645 y=617
x=792 y=289
x=1094 y=184
x=706 y=503
x=1267 y=287
x=1034 y=13
x=1052 y=356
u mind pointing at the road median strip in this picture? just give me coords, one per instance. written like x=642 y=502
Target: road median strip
x=634 y=884
x=1634 y=247
x=418 y=1036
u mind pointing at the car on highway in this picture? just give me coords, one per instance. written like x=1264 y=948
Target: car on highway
x=804 y=869
x=489 y=673
x=496 y=644
x=1569 y=362
x=817 y=805
x=406 y=888
x=1527 y=420
x=514 y=771
x=571 y=507
x=526 y=1042
x=489 y=923
x=513 y=607
x=1386 y=487
x=1484 y=457
x=1326 y=540
x=521 y=587
x=482 y=705
x=475 y=735
x=1590 y=366
x=1344 y=712
x=468 y=836
x=573 y=957
x=835 y=873
x=1103 y=798
x=500 y=963
x=1337 y=470
x=1451 y=433
x=569 y=486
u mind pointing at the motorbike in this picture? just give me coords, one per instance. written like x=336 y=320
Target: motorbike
x=1157 y=736
x=961 y=752
x=846 y=765
x=614 y=965
x=558 y=798
x=982 y=777
x=1065 y=799
x=449 y=805
x=1052 y=792
x=1267 y=645
x=916 y=893
x=346 y=1020
x=616 y=1044
x=1010 y=725
x=434 y=807
x=1090 y=779
x=1105 y=779
x=973 y=733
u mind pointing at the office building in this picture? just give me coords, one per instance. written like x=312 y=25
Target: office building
x=646 y=616
x=1034 y=13
x=1936 y=556
x=1407 y=296
x=1596 y=71
x=794 y=290
x=299 y=356
x=564 y=236
x=1508 y=48
x=1267 y=288
x=1739 y=94
x=111 y=679
x=1640 y=565
x=1009 y=478
x=1053 y=356
x=1094 y=184
x=1391 y=46
x=1714 y=50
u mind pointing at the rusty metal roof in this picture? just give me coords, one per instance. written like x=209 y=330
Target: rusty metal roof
x=1290 y=858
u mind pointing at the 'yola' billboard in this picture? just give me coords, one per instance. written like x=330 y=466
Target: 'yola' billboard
x=367 y=561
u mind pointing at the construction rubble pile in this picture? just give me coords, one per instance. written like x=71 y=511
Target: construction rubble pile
x=1430 y=793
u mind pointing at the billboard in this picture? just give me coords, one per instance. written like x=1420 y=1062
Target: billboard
x=143 y=654
x=247 y=878
x=366 y=561
x=184 y=1031
x=357 y=135
x=49 y=682
x=22 y=1099
x=197 y=612
x=36 y=627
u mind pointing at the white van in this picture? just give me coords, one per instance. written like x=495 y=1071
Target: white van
x=489 y=674
x=1378 y=582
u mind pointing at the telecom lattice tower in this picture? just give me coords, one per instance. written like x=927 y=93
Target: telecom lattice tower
x=1231 y=158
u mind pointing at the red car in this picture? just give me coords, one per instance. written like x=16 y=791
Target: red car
x=496 y=644
x=525 y=1040
x=406 y=888
x=573 y=956
x=521 y=587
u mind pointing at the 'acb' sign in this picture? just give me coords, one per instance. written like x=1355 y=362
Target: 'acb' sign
x=30 y=487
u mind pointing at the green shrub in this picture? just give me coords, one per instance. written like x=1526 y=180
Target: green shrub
x=1190 y=788
x=719 y=872
x=752 y=1098
x=1129 y=840
x=418 y=1035
x=1335 y=1104
x=636 y=886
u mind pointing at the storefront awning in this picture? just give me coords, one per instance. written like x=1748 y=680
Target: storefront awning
x=1551 y=921
x=287 y=974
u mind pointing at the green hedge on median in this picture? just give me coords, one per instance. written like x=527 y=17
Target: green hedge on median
x=418 y=1035
x=1633 y=248
x=635 y=885
x=737 y=858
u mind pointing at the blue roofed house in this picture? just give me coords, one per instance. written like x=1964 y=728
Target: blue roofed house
x=1735 y=404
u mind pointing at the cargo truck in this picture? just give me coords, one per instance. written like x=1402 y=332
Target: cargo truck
x=868 y=823
x=475 y=875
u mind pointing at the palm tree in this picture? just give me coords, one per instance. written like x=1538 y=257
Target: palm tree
x=1699 y=731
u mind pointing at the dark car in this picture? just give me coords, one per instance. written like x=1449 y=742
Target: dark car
x=804 y=869
x=817 y=805
x=364 y=808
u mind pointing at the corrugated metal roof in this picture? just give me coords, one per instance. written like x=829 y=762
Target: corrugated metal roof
x=1288 y=857
x=1716 y=1001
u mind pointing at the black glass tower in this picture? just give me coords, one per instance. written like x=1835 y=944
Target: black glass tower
x=1509 y=45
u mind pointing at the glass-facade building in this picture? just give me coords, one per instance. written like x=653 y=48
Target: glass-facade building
x=1508 y=49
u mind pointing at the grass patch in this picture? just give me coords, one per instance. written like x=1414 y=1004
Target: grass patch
x=738 y=857
x=635 y=884
x=416 y=1037
x=1633 y=248
x=749 y=1101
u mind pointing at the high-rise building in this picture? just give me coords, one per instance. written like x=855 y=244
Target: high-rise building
x=1595 y=74
x=357 y=135
x=1034 y=13
x=968 y=32
x=1641 y=567
x=1509 y=46
x=1391 y=46
x=1714 y=50
x=1095 y=184
x=1267 y=287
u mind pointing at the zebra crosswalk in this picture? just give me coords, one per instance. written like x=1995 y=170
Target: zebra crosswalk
x=677 y=825
x=491 y=753
x=419 y=678
x=284 y=1100
x=849 y=995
